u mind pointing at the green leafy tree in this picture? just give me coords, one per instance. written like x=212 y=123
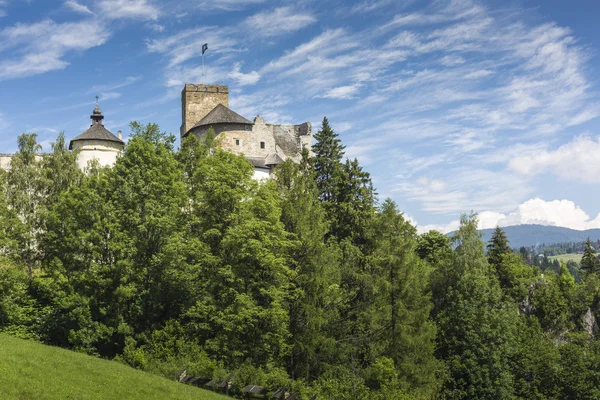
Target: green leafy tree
x=24 y=195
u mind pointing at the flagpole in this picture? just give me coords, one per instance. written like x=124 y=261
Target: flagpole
x=202 y=80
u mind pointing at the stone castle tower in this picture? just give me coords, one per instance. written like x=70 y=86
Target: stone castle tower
x=264 y=145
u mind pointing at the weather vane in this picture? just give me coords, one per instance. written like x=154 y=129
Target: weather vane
x=97 y=100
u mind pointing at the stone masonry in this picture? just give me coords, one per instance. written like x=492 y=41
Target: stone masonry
x=199 y=100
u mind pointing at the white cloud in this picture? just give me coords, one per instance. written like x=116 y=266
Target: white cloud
x=452 y=60
x=43 y=45
x=564 y=213
x=78 y=7
x=482 y=73
x=342 y=92
x=578 y=160
x=465 y=189
x=187 y=44
x=243 y=79
x=156 y=27
x=109 y=95
x=369 y=5
x=226 y=5
x=278 y=21
x=136 y=9
x=113 y=86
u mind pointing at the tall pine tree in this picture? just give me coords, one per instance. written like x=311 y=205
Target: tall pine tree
x=590 y=262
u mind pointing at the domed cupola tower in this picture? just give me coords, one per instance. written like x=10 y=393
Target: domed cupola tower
x=97 y=143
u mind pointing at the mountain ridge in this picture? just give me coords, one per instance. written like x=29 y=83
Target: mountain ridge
x=531 y=234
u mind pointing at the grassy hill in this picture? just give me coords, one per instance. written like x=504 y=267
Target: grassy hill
x=33 y=371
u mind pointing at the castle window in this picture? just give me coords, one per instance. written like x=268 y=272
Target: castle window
x=237 y=142
x=262 y=145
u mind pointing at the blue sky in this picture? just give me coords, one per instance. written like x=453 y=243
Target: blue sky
x=451 y=105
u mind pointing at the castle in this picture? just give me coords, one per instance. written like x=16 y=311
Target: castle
x=264 y=145
x=203 y=107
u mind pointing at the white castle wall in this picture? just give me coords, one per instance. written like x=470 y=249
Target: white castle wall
x=104 y=151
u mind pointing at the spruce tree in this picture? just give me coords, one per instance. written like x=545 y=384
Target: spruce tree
x=590 y=262
x=315 y=264
x=327 y=161
x=475 y=325
x=497 y=247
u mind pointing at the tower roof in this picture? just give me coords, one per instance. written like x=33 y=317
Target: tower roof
x=97 y=131
x=222 y=115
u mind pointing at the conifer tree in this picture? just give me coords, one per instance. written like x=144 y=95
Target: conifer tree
x=590 y=262
x=497 y=247
x=475 y=326
x=398 y=316
x=315 y=264
x=327 y=161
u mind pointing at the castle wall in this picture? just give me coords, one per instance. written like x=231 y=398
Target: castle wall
x=261 y=174
x=284 y=140
x=105 y=152
x=6 y=158
x=199 y=100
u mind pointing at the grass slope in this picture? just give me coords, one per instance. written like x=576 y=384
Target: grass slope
x=30 y=370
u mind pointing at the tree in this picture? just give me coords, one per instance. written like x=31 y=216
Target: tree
x=400 y=305
x=497 y=247
x=354 y=205
x=24 y=195
x=589 y=261
x=525 y=255
x=475 y=325
x=327 y=161
x=313 y=287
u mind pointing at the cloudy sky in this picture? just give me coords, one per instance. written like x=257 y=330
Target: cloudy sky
x=451 y=105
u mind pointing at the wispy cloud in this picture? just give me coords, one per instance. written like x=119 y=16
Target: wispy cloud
x=278 y=21
x=42 y=46
x=77 y=7
x=226 y=5
x=342 y=92
x=123 y=9
x=244 y=79
x=130 y=80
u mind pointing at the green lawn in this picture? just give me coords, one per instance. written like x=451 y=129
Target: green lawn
x=567 y=257
x=29 y=370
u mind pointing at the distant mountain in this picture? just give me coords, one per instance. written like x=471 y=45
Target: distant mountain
x=530 y=235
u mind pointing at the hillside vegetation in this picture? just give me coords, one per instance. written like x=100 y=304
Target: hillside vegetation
x=34 y=371
x=306 y=284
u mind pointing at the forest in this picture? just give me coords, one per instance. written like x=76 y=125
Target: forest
x=177 y=258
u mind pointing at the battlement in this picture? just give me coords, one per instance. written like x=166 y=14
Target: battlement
x=190 y=87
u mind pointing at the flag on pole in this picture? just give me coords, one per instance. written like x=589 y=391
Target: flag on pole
x=204 y=48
